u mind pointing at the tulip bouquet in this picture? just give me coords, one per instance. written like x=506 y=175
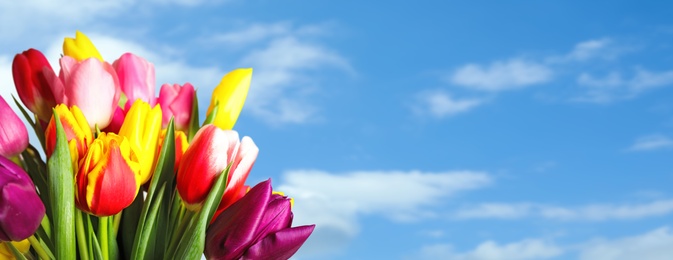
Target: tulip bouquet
x=128 y=175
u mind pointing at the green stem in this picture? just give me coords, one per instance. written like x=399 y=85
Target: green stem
x=38 y=248
x=46 y=226
x=116 y=221
x=81 y=236
x=103 y=236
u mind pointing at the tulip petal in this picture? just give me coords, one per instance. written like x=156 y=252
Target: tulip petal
x=21 y=212
x=115 y=185
x=94 y=88
x=234 y=230
x=205 y=158
x=280 y=245
x=13 y=133
x=243 y=162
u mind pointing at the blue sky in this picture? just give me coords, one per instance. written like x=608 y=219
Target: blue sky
x=425 y=129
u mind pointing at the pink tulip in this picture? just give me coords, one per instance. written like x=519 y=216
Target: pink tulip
x=92 y=86
x=36 y=83
x=177 y=102
x=136 y=77
x=13 y=133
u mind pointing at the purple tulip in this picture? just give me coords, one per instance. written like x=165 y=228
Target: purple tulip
x=258 y=226
x=21 y=209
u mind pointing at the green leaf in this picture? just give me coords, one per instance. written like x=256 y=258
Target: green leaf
x=193 y=120
x=139 y=251
x=15 y=251
x=33 y=124
x=193 y=240
x=36 y=169
x=163 y=177
x=62 y=195
x=129 y=225
x=210 y=118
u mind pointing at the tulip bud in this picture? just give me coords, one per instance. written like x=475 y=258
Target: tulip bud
x=136 y=77
x=142 y=127
x=36 y=83
x=108 y=178
x=229 y=96
x=21 y=209
x=211 y=150
x=13 y=133
x=258 y=226
x=77 y=131
x=80 y=48
x=177 y=102
x=92 y=86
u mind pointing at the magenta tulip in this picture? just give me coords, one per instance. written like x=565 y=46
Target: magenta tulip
x=258 y=226
x=13 y=133
x=176 y=101
x=92 y=86
x=136 y=78
x=36 y=83
x=21 y=209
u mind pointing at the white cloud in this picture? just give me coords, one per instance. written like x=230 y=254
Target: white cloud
x=614 y=86
x=494 y=210
x=253 y=33
x=334 y=202
x=654 y=245
x=491 y=250
x=588 y=49
x=283 y=79
x=441 y=104
x=18 y=20
x=501 y=75
x=651 y=142
x=592 y=212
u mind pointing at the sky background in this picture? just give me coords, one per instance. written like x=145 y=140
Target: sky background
x=424 y=129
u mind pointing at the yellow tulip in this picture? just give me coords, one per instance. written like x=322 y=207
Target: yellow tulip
x=142 y=127
x=229 y=96
x=5 y=253
x=80 y=48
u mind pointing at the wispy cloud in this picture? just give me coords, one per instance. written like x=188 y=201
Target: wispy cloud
x=602 y=48
x=592 y=212
x=651 y=142
x=501 y=75
x=441 y=104
x=491 y=250
x=654 y=245
x=284 y=80
x=335 y=201
x=614 y=86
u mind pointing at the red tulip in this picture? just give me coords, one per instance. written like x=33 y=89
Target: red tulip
x=76 y=130
x=211 y=150
x=36 y=83
x=108 y=177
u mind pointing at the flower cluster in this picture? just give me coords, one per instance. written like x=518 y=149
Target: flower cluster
x=129 y=174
